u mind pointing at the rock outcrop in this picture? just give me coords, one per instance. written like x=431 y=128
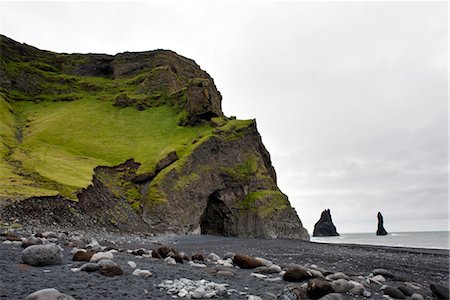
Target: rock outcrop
x=325 y=226
x=380 y=229
x=221 y=182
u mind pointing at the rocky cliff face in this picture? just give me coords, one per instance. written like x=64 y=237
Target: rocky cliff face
x=380 y=227
x=216 y=179
x=325 y=226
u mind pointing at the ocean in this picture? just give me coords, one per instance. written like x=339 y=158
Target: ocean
x=431 y=239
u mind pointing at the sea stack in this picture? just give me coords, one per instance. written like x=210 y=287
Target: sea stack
x=380 y=230
x=325 y=226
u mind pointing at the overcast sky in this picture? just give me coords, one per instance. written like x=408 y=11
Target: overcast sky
x=351 y=98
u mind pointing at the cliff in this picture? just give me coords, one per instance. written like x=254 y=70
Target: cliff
x=130 y=142
x=325 y=226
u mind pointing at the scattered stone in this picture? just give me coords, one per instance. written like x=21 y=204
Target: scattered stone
x=198 y=257
x=273 y=269
x=213 y=257
x=197 y=265
x=394 y=292
x=94 y=246
x=43 y=255
x=101 y=255
x=30 y=241
x=292 y=292
x=141 y=273
x=383 y=272
x=316 y=273
x=318 y=288
x=229 y=255
x=341 y=286
x=265 y=262
x=378 y=279
x=257 y=275
x=226 y=263
x=406 y=291
x=82 y=256
x=296 y=274
x=246 y=262
x=89 y=267
x=139 y=252
x=49 y=294
x=417 y=296
x=170 y=261
x=252 y=297
x=184 y=287
x=109 y=268
x=132 y=264
x=225 y=273
x=413 y=286
x=338 y=275
x=333 y=296
x=357 y=288
x=440 y=291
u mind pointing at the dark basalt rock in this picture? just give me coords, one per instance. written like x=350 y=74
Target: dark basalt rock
x=325 y=226
x=381 y=230
x=440 y=291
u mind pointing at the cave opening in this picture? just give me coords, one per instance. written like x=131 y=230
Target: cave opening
x=215 y=219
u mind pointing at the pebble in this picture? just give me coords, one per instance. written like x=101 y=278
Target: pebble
x=49 y=294
x=378 y=279
x=82 y=256
x=132 y=264
x=94 y=246
x=197 y=265
x=292 y=292
x=265 y=262
x=383 y=272
x=252 y=297
x=225 y=273
x=296 y=274
x=89 y=267
x=413 y=286
x=43 y=255
x=257 y=275
x=357 y=288
x=109 y=268
x=341 y=286
x=440 y=291
x=229 y=255
x=338 y=275
x=198 y=257
x=417 y=296
x=30 y=241
x=184 y=287
x=141 y=273
x=102 y=255
x=393 y=292
x=246 y=262
x=170 y=261
x=213 y=257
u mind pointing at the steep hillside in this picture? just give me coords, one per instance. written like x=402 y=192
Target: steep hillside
x=135 y=141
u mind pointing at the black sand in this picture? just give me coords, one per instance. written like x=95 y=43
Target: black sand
x=421 y=266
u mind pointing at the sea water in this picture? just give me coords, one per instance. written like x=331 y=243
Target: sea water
x=431 y=239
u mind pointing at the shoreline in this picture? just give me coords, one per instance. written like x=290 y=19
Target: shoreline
x=418 y=266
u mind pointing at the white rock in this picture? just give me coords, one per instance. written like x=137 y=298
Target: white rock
x=265 y=262
x=197 y=265
x=75 y=270
x=198 y=293
x=274 y=279
x=252 y=297
x=49 y=294
x=338 y=275
x=132 y=264
x=43 y=255
x=257 y=275
x=7 y=242
x=357 y=288
x=101 y=255
x=94 y=245
x=170 y=261
x=76 y=250
x=213 y=257
x=141 y=273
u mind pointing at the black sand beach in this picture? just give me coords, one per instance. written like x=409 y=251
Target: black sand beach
x=420 y=266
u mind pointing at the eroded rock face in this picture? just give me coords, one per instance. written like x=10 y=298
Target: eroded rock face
x=325 y=226
x=232 y=189
x=380 y=229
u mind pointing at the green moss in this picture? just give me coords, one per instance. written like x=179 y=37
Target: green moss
x=265 y=202
x=244 y=171
x=185 y=180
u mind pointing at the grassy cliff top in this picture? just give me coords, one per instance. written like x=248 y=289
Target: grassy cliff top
x=62 y=115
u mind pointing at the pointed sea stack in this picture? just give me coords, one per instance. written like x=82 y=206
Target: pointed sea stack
x=325 y=226
x=380 y=230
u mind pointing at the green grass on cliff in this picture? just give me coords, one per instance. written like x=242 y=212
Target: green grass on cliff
x=64 y=141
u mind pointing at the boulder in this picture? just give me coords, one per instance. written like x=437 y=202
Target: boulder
x=49 y=294
x=381 y=230
x=246 y=262
x=393 y=292
x=325 y=226
x=43 y=255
